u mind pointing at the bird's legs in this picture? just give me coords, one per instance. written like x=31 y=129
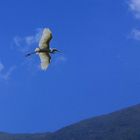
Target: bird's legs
x=30 y=54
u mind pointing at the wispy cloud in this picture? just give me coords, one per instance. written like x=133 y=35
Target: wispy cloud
x=23 y=44
x=135 y=7
x=135 y=34
x=5 y=74
x=1 y=66
x=59 y=59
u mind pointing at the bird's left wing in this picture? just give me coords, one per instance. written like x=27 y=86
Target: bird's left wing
x=45 y=39
x=45 y=60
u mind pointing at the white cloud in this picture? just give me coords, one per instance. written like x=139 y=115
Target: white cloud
x=5 y=74
x=135 y=34
x=23 y=44
x=62 y=59
x=59 y=59
x=1 y=66
x=135 y=7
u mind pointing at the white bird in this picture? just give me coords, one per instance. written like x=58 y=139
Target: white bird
x=44 y=49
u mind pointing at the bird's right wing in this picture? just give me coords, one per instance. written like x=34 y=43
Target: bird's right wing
x=45 y=39
x=45 y=60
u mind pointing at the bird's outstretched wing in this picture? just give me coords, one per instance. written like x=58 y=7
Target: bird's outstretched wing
x=45 y=39
x=45 y=60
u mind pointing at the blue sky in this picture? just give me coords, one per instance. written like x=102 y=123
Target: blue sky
x=98 y=72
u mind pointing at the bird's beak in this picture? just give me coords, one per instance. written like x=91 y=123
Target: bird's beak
x=59 y=51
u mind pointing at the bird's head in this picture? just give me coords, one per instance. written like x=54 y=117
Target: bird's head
x=54 y=50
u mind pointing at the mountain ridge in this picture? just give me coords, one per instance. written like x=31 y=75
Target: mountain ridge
x=123 y=124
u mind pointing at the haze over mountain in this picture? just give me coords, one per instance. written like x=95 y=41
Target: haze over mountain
x=120 y=125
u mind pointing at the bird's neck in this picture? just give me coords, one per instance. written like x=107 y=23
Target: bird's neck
x=51 y=50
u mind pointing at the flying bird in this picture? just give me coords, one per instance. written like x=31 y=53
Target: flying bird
x=44 y=51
